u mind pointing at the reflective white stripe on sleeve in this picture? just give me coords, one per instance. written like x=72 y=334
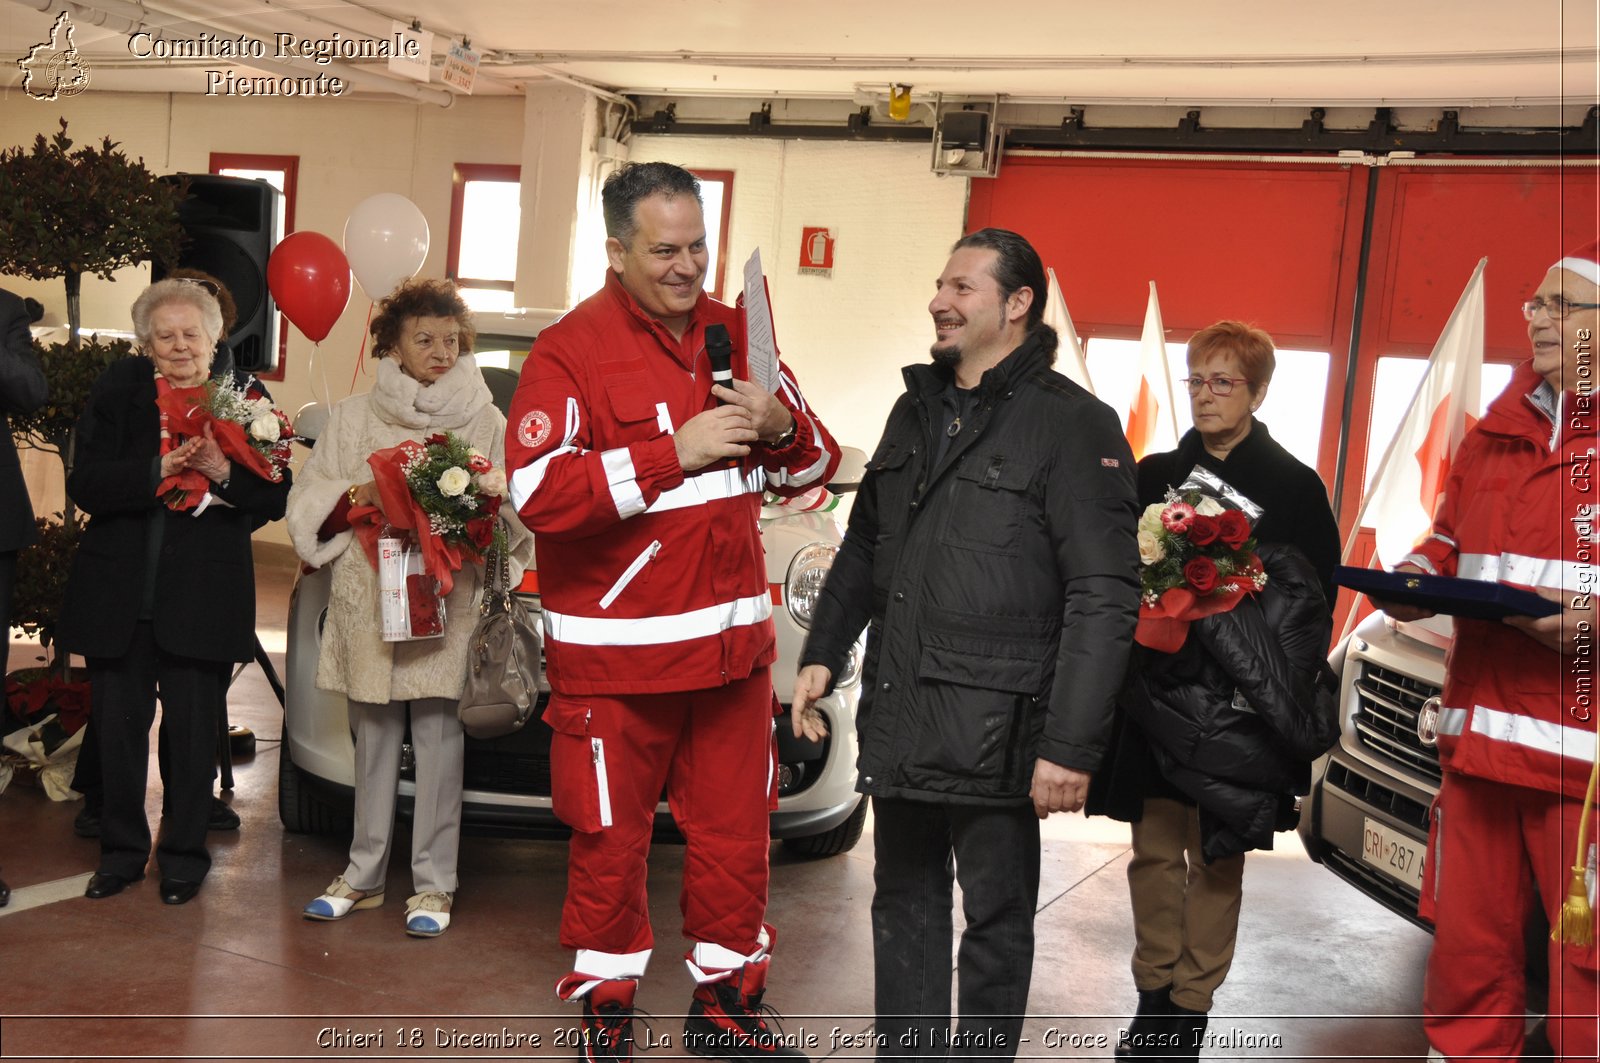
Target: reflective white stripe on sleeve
x=1421 y=562
x=574 y=419
x=708 y=487
x=811 y=473
x=1528 y=571
x=657 y=630
x=1515 y=729
x=526 y=480
x=624 y=481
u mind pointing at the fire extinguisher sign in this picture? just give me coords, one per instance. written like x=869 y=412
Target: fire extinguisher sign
x=816 y=250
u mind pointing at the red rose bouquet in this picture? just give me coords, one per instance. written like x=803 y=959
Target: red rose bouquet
x=251 y=431
x=1198 y=559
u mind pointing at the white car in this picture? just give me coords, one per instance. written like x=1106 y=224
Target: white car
x=507 y=779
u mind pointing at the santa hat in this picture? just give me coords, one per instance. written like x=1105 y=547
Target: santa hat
x=1585 y=262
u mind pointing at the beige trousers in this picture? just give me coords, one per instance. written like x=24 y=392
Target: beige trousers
x=1185 y=911
x=437 y=742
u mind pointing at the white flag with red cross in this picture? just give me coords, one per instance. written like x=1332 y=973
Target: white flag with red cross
x=1152 y=416
x=1400 y=504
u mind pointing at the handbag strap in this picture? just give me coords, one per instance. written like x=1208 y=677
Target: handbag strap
x=496 y=580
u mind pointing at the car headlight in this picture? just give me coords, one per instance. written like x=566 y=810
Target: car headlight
x=851 y=674
x=807 y=572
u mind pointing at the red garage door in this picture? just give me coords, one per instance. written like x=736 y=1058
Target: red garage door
x=1280 y=245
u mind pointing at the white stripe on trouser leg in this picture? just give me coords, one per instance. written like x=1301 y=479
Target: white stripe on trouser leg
x=772 y=759
x=602 y=782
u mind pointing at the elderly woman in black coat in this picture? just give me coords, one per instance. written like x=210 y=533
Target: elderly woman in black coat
x=1215 y=740
x=162 y=591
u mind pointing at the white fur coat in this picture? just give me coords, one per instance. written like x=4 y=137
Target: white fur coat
x=355 y=661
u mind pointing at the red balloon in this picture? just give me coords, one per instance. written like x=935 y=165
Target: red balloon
x=309 y=277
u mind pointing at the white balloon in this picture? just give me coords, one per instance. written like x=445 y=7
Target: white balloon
x=386 y=241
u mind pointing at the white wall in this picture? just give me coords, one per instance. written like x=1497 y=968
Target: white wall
x=845 y=336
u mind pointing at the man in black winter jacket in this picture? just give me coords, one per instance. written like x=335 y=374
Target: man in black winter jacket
x=992 y=550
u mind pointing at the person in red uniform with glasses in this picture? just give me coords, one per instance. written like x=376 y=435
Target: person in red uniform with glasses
x=1517 y=728
x=642 y=484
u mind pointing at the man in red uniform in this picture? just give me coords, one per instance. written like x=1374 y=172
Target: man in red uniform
x=1517 y=727
x=642 y=484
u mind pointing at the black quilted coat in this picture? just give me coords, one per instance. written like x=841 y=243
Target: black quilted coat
x=1235 y=717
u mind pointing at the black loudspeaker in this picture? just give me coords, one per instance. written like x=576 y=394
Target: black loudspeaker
x=231 y=225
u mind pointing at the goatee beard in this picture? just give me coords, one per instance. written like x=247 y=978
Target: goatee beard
x=948 y=356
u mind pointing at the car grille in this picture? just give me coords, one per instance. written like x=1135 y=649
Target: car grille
x=1386 y=718
x=1381 y=797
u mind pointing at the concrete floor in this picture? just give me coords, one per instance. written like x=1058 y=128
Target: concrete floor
x=1321 y=972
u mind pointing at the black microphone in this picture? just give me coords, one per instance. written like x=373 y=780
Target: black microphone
x=719 y=349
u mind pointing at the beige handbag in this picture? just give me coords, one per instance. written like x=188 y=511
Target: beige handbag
x=503 y=659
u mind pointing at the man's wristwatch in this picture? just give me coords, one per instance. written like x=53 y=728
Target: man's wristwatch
x=788 y=436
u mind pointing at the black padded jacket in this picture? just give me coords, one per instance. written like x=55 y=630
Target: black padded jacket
x=1236 y=716
x=1001 y=586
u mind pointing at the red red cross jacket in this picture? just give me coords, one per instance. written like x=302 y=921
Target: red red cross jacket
x=1519 y=507
x=651 y=582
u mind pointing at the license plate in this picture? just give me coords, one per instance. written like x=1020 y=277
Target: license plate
x=1393 y=853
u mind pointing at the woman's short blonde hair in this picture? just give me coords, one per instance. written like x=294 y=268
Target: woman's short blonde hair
x=167 y=291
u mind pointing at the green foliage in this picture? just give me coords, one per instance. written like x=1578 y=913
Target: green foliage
x=69 y=374
x=65 y=212
x=42 y=577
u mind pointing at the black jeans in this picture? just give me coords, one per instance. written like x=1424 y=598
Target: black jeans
x=921 y=849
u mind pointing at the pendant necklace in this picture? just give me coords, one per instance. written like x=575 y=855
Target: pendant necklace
x=955 y=427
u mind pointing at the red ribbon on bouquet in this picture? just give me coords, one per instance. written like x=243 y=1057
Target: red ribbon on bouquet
x=187 y=416
x=401 y=510
x=1163 y=627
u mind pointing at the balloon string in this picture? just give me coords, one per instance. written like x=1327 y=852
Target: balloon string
x=361 y=355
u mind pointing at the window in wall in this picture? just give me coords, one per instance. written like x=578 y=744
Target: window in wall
x=485 y=218
x=1292 y=411
x=716 y=193
x=281 y=172
x=1395 y=384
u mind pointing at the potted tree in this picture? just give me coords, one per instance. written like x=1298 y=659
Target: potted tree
x=64 y=212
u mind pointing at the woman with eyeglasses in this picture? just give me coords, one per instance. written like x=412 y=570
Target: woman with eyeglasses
x=1191 y=827
x=1517 y=721
x=161 y=596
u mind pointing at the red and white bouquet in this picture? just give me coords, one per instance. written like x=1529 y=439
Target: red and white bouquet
x=1199 y=558
x=446 y=494
x=251 y=431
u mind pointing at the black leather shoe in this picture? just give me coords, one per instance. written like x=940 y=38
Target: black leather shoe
x=87 y=822
x=222 y=817
x=103 y=885
x=178 y=891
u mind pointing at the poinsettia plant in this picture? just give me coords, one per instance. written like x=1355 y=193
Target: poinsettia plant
x=1198 y=558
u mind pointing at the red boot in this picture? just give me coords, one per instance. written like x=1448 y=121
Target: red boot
x=607 y=1020
x=728 y=1021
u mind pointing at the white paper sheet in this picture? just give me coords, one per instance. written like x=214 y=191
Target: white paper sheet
x=763 y=345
